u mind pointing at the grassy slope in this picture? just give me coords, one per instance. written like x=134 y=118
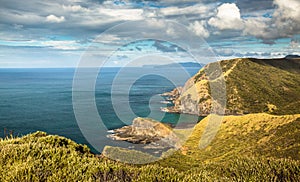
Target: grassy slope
x=253 y=134
x=255 y=147
x=263 y=83
x=260 y=85
x=256 y=135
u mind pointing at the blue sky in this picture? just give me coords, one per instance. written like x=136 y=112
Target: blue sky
x=57 y=33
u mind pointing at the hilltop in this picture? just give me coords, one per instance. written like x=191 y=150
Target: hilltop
x=252 y=86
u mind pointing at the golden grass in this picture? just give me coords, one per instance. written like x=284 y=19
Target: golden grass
x=247 y=135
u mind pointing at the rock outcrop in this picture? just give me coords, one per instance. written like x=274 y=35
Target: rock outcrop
x=146 y=131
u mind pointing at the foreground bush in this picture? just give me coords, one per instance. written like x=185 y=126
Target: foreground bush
x=42 y=157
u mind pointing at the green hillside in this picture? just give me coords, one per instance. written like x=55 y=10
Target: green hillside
x=255 y=147
x=42 y=157
x=258 y=135
x=252 y=86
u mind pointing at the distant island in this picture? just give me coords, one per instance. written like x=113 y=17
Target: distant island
x=292 y=57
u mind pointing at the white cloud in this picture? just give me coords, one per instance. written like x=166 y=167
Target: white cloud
x=278 y=54
x=107 y=38
x=150 y=13
x=61 y=44
x=256 y=27
x=285 y=22
x=198 y=27
x=196 y=9
x=228 y=17
x=153 y=22
x=74 y=8
x=287 y=17
x=55 y=19
x=122 y=14
x=287 y=9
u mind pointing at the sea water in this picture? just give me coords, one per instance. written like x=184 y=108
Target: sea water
x=40 y=99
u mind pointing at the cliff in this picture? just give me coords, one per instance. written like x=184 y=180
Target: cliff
x=146 y=131
x=251 y=86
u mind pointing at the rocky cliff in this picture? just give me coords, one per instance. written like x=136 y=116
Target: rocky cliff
x=251 y=86
x=146 y=131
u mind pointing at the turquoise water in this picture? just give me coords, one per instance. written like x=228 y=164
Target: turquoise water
x=41 y=99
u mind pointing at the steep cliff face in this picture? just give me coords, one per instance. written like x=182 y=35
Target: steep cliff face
x=195 y=97
x=251 y=86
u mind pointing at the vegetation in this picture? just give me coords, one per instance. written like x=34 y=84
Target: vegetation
x=253 y=85
x=258 y=84
x=127 y=156
x=255 y=147
x=253 y=134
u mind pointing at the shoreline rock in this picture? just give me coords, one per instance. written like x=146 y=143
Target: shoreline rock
x=170 y=109
x=146 y=131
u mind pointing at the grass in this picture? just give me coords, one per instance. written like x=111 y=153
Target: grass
x=252 y=86
x=128 y=156
x=253 y=134
x=255 y=85
x=255 y=147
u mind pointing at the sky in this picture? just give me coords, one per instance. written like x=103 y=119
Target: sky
x=61 y=33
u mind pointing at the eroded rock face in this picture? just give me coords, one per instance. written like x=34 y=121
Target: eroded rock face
x=173 y=95
x=193 y=98
x=145 y=131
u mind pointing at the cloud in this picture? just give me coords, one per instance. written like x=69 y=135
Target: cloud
x=160 y=45
x=287 y=17
x=181 y=14
x=52 y=44
x=17 y=26
x=71 y=25
x=252 y=6
x=228 y=17
x=197 y=9
x=294 y=44
x=257 y=27
x=61 y=45
x=122 y=14
x=198 y=27
x=287 y=9
x=177 y=3
x=224 y=52
x=108 y=38
x=20 y=18
x=55 y=19
x=283 y=23
x=74 y=8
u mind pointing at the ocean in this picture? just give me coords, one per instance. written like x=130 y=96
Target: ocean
x=40 y=99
